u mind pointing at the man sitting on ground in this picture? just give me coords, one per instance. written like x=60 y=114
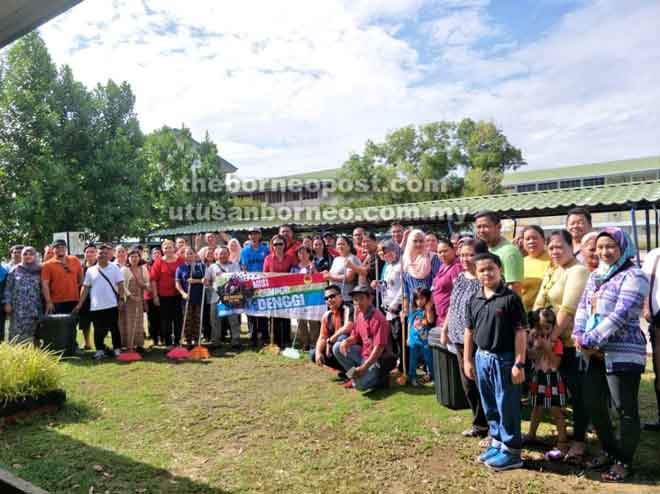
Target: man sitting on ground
x=366 y=355
x=336 y=325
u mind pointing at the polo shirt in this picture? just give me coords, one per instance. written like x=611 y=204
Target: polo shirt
x=274 y=265
x=494 y=321
x=195 y=271
x=512 y=261
x=64 y=285
x=252 y=260
x=371 y=330
x=164 y=274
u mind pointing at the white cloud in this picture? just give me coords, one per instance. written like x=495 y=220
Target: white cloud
x=285 y=87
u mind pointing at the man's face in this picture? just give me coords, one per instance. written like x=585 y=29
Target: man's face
x=90 y=255
x=190 y=256
x=329 y=241
x=577 y=225
x=286 y=232
x=397 y=233
x=333 y=299
x=487 y=231
x=103 y=255
x=358 y=236
x=60 y=250
x=255 y=237
x=16 y=256
x=156 y=254
x=180 y=243
x=210 y=239
x=362 y=301
x=488 y=273
x=369 y=245
x=223 y=256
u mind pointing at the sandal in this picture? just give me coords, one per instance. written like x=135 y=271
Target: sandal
x=485 y=442
x=618 y=472
x=600 y=462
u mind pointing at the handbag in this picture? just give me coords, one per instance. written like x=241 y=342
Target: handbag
x=109 y=283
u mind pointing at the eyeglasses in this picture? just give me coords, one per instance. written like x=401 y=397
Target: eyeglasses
x=278 y=244
x=330 y=297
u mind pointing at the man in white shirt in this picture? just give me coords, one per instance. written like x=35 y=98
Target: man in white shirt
x=104 y=283
x=651 y=267
x=215 y=270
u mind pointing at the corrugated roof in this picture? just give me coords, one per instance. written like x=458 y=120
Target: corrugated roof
x=578 y=171
x=514 y=205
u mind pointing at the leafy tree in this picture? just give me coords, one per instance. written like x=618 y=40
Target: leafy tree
x=480 y=182
x=434 y=156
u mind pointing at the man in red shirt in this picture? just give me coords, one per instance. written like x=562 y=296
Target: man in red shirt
x=291 y=243
x=358 y=237
x=367 y=353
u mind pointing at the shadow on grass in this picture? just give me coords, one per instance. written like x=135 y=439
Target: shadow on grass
x=60 y=464
x=379 y=394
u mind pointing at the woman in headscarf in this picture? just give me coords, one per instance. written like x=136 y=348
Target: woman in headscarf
x=234 y=251
x=419 y=268
x=23 y=297
x=588 y=251
x=609 y=337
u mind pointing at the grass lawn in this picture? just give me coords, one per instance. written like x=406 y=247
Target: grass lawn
x=262 y=423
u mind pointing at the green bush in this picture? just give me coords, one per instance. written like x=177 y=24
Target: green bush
x=27 y=371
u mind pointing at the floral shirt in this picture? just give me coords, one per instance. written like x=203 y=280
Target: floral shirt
x=463 y=291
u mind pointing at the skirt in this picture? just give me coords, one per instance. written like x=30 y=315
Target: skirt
x=547 y=389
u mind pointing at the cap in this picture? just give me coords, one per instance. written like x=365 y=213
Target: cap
x=361 y=289
x=58 y=242
x=328 y=233
x=255 y=229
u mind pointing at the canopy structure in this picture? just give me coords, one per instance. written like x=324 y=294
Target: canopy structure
x=19 y=17
x=605 y=198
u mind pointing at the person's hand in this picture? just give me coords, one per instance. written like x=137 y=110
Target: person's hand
x=319 y=359
x=418 y=324
x=468 y=368
x=50 y=307
x=332 y=339
x=517 y=375
x=646 y=314
x=8 y=308
x=156 y=300
x=77 y=308
x=343 y=348
x=326 y=275
x=374 y=284
x=184 y=296
x=359 y=372
x=444 y=336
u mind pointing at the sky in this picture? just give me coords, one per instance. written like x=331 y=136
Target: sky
x=298 y=85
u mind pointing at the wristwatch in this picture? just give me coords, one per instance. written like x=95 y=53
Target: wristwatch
x=519 y=365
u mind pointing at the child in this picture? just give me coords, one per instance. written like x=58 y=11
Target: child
x=189 y=283
x=546 y=389
x=420 y=321
x=496 y=322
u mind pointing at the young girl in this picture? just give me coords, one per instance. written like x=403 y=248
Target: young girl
x=547 y=389
x=420 y=321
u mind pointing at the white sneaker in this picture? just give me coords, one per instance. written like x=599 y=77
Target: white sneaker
x=99 y=355
x=117 y=352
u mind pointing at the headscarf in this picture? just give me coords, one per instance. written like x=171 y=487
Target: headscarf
x=418 y=265
x=588 y=238
x=234 y=250
x=391 y=246
x=627 y=248
x=33 y=267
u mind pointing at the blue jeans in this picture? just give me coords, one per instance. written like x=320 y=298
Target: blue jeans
x=353 y=358
x=500 y=399
x=415 y=352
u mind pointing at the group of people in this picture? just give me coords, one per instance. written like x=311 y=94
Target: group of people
x=556 y=316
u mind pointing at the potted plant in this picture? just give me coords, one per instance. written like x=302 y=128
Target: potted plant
x=29 y=381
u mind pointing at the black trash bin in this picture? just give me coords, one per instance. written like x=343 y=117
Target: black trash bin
x=58 y=333
x=448 y=388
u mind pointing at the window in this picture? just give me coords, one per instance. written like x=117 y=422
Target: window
x=292 y=195
x=590 y=182
x=548 y=186
x=570 y=184
x=526 y=188
x=310 y=194
x=274 y=196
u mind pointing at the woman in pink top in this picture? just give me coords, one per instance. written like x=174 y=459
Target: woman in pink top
x=443 y=283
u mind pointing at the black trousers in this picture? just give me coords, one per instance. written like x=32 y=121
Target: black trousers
x=258 y=326
x=574 y=379
x=153 y=318
x=624 y=390
x=206 y=326
x=282 y=331
x=397 y=345
x=171 y=320
x=654 y=333
x=471 y=392
x=106 y=320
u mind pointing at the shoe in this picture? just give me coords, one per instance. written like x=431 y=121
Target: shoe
x=652 y=426
x=504 y=461
x=237 y=348
x=116 y=352
x=491 y=452
x=348 y=384
x=99 y=355
x=414 y=383
x=474 y=431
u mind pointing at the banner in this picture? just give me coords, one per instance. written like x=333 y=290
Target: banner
x=292 y=296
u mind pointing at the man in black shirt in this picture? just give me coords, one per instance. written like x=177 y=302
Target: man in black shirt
x=496 y=323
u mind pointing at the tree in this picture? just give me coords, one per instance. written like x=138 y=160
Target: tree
x=480 y=182
x=433 y=156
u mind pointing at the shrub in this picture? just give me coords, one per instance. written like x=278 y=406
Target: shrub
x=27 y=371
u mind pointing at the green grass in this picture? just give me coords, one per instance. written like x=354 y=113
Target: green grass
x=260 y=423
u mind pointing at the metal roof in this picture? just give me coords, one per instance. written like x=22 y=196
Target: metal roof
x=582 y=171
x=513 y=205
x=19 y=17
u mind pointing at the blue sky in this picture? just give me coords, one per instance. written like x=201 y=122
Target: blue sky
x=287 y=87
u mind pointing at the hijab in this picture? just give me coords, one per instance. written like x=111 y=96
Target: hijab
x=392 y=246
x=417 y=264
x=33 y=267
x=605 y=272
x=234 y=250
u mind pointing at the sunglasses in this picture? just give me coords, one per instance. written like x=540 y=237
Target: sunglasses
x=278 y=244
x=330 y=297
